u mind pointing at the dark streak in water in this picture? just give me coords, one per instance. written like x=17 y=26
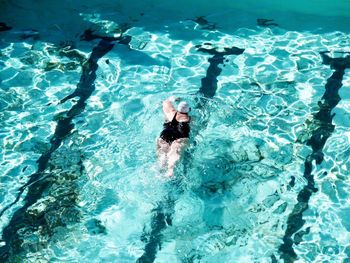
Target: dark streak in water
x=4 y=27
x=210 y=82
x=89 y=35
x=164 y=211
x=204 y=23
x=161 y=218
x=37 y=183
x=323 y=129
x=266 y=22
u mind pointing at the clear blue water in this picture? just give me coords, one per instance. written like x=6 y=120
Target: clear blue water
x=79 y=176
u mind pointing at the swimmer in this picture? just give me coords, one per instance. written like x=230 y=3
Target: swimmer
x=175 y=134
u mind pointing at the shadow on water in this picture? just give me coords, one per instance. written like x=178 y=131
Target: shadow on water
x=163 y=213
x=321 y=129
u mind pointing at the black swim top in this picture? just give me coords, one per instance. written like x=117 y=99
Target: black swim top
x=175 y=130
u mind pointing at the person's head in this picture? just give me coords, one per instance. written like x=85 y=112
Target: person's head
x=183 y=107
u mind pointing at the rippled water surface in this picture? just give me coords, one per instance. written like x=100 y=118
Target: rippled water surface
x=264 y=178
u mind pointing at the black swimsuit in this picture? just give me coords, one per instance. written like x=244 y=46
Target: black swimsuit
x=175 y=130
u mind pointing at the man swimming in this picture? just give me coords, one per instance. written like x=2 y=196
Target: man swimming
x=175 y=134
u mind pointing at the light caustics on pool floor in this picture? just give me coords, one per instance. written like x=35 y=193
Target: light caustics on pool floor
x=97 y=194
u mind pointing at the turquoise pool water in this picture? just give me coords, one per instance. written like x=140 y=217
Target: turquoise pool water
x=265 y=176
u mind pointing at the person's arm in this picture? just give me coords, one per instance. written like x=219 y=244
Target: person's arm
x=168 y=108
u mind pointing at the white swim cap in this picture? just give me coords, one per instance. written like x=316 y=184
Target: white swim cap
x=183 y=107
